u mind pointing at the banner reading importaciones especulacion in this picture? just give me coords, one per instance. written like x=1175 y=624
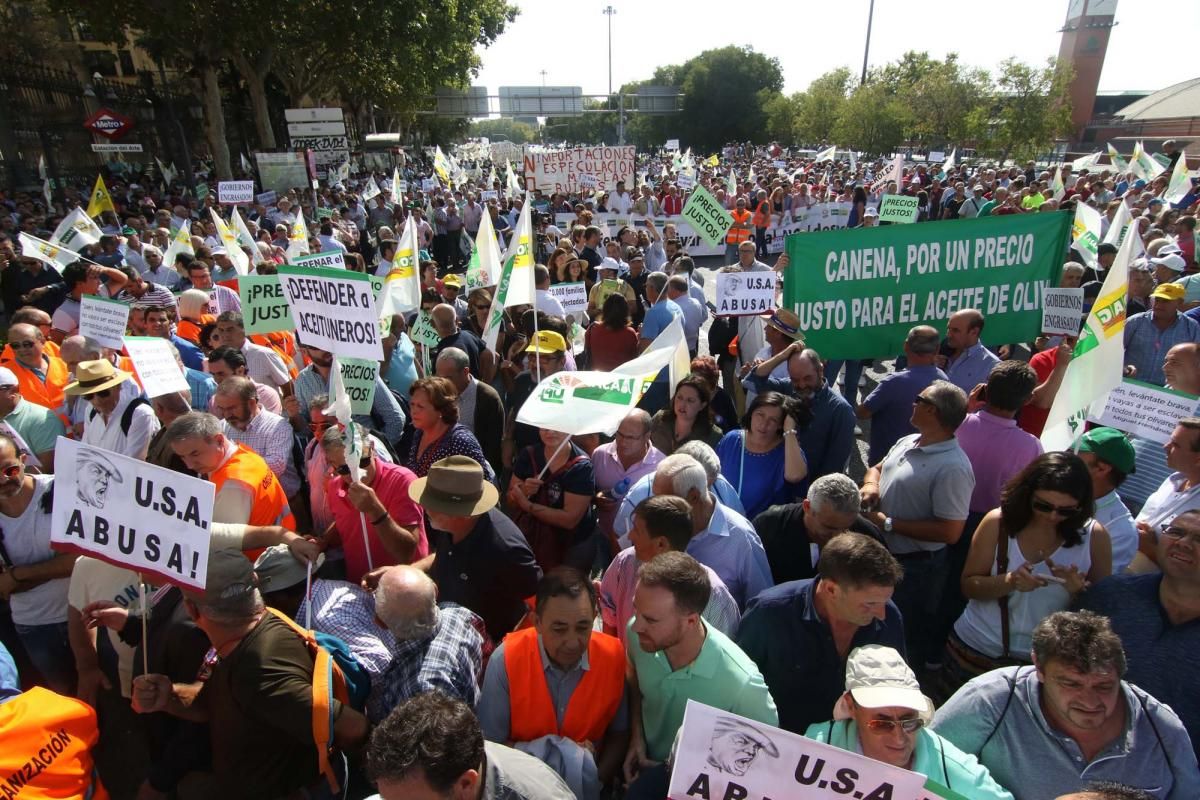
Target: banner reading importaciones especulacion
x=859 y=291
x=561 y=170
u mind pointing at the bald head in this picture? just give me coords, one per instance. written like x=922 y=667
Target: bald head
x=1181 y=367
x=79 y=348
x=406 y=602
x=445 y=319
x=27 y=343
x=964 y=328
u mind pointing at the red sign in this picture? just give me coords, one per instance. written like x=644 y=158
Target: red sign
x=107 y=122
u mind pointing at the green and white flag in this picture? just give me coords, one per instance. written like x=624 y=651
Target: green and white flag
x=1181 y=181
x=402 y=285
x=1119 y=225
x=229 y=240
x=1143 y=165
x=54 y=255
x=181 y=242
x=596 y=402
x=1087 y=162
x=372 y=189
x=515 y=287
x=1057 y=190
x=244 y=238
x=343 y=172
x=484 y=267
x=1118 y=163
x=1098 y=361
x=76 y=231
x=298 y=238
x=1085 y=233
x=340 y=406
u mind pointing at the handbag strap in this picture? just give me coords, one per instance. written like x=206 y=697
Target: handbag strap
x=1002 y=569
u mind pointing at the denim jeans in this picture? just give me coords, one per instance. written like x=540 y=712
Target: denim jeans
x=50 y=651
x=854 y=370
x=918 y=597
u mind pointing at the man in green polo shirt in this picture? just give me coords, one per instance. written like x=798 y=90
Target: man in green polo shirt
x=676 y=657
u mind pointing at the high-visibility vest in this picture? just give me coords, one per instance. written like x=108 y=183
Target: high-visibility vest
x=46 y=753
x=270 y=502
x=762 y=215
x=50 y=349
x=186 y=329
x=593 y=704
x=738 y=235
x=48 y=393
x=284 y=345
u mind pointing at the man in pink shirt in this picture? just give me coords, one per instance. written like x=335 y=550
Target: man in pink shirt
x=394 y=522
x=619 y=464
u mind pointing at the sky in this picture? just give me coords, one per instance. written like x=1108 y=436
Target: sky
x=568 y=38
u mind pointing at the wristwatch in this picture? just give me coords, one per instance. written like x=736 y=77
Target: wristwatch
x=887 y=524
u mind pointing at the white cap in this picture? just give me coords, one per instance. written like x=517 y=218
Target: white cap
x=609 y=263
x=877 y=677
x=7 y=378
x=1172 y=261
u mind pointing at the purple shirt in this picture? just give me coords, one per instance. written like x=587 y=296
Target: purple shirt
x=609 y=474
x=891 y=407
x=997 y=450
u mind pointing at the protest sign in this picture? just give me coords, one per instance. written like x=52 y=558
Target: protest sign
x=264 y=308
x=154 y=362
x=330 y=259
x=280 y=172
x=722 y=755
x=899 y=208
x=267 y=198
x=858 y=292
x=685 y=181
x=1143 y=409
x=324 y=213
x=742 y=294
x=334 y=309
x=706 y=216
x=572 y=297
x=1062 y=311
x=358 y=381
x=428 y=184
x=561 y=170
x=232 y=193
x=937 y=156
x=672 y=144
x=587 y=181
x=131 y=514
x=423 y=332
x=103 y=320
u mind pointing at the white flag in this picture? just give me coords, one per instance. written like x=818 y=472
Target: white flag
x=42 y=166
x=397 y=197
x=515 y=286
x=181 y=242
x=245 y=163
x=229 y=240
x=76 y=231
x=298 y=238
x=826 y=155
x=401 y=291
x=1057 y=190
x=52 y=254
x=1119 y=225
x=1085 y=233
x=244 y=238
x=1181 y=182
x=46 y=193
x=1099 y=359
x=1143 y=165
x=1087 y=162
x=948 y=164
x=372 y=190
x=484 y=267
x=339 y=407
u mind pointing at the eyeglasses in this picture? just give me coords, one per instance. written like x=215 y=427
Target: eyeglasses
x=12 y=471
x=103 y=393
x=1180 y=535
x=888 y=725
x=363 y=463
x=1050 y=508
x=23 y=345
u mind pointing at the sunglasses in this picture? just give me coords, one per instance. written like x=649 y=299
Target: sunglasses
x=12 y=471
x=1180 y=535
x=103 y=393
x=1050 y=508
x=363 y=463
x=22 y=345
x=923 y=401
x=888 y=725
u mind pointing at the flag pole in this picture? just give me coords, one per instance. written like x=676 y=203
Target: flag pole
x=145 y=626
x=554 y=455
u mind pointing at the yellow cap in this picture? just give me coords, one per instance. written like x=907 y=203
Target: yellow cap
x=547 y=342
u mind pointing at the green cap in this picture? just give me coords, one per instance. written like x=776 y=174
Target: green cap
x=1111 y=446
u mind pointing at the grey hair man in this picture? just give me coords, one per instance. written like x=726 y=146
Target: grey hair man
x=480 y=409
x=793 y=534
x=438 y=646
x=889 y=405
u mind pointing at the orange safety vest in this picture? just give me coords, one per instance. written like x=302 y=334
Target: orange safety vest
x=593 y=704
x=186 y=329
x=283 y=343
x=762 y=215
x=47 y=747
x=49 y=393
x=270 y=503
x=738 y=235
x=51 y=349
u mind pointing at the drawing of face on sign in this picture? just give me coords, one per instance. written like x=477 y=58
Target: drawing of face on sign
x=735 y=745
x=95 y=474
x=733 y=285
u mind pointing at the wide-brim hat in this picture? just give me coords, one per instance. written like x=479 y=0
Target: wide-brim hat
x=787 y=323
x=457 y=486
x=95 y=376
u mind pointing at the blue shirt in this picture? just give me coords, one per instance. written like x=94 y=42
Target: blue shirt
x=191 y=355
x=202 y=386
x=793 y=648
x=730 y=547
x=402 y=367
x=659 y=316
x=971 y=367
x=758 y=477
x=829 y=436
x=386 y=415
x=891 y=407
x=1146 y=346
x=623 y=522
x=1154 y=647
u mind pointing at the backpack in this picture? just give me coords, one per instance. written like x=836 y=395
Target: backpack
x=336 y=674
x=127 y=414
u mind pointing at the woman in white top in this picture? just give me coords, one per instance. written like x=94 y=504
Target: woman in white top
x=1030 y=557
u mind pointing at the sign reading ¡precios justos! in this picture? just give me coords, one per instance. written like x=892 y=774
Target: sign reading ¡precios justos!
x=859 y=291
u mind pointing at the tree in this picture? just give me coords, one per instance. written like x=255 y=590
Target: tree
x=871 y=120
x=818 y=108
x=781 y=111
x=504 y=128
x=724 y=93
x=1029 y=107
x=942 y=101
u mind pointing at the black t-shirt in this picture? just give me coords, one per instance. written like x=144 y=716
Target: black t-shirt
x=579 y=479
x=466 y=341
x=785 y=538
x=259 y=701
x=524 y=435
x=491 y=571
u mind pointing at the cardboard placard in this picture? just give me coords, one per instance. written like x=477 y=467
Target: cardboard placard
x=334 y=309
x=745 y=293
x=132 y=514
x=1062 y=311
x=330 y=259
x=154 y=362
x=423 y=332
x=572 y=297
x=103 y=320
x=358 y=379
x=706 y=216
x=898 y=208
x=264 y=307
x=1145 y=410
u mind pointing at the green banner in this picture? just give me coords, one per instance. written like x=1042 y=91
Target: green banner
x=935 y=789
x=859 y=291
x=264 y=307
x=358 y=377
x=707 y=216
x=899 y=208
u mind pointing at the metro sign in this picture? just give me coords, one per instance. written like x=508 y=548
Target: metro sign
x=107 y=122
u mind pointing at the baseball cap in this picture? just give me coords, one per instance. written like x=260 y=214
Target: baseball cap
x=877 y=677
x=550 y=342
x=1168 y=249
x=7 y=378
x=453 y=280
x=1169 y=291
x=1172 y=261
x=1110 y=445
x=230 y=575
x=277 y=568
x=609 y=263
x=870 y=212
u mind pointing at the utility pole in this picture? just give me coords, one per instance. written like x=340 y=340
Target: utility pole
x=867 y=48
x=543 y=73
x=608 y=12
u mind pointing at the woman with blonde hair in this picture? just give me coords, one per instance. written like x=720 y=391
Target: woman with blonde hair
x=193 y=314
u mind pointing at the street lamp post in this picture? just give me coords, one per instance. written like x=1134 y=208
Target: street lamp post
x=867 y=48
x=608 y=12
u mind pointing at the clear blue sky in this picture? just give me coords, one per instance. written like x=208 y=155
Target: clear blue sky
x=1152 y=46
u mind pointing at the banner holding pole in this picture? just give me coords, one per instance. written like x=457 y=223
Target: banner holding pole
x=858 y=292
